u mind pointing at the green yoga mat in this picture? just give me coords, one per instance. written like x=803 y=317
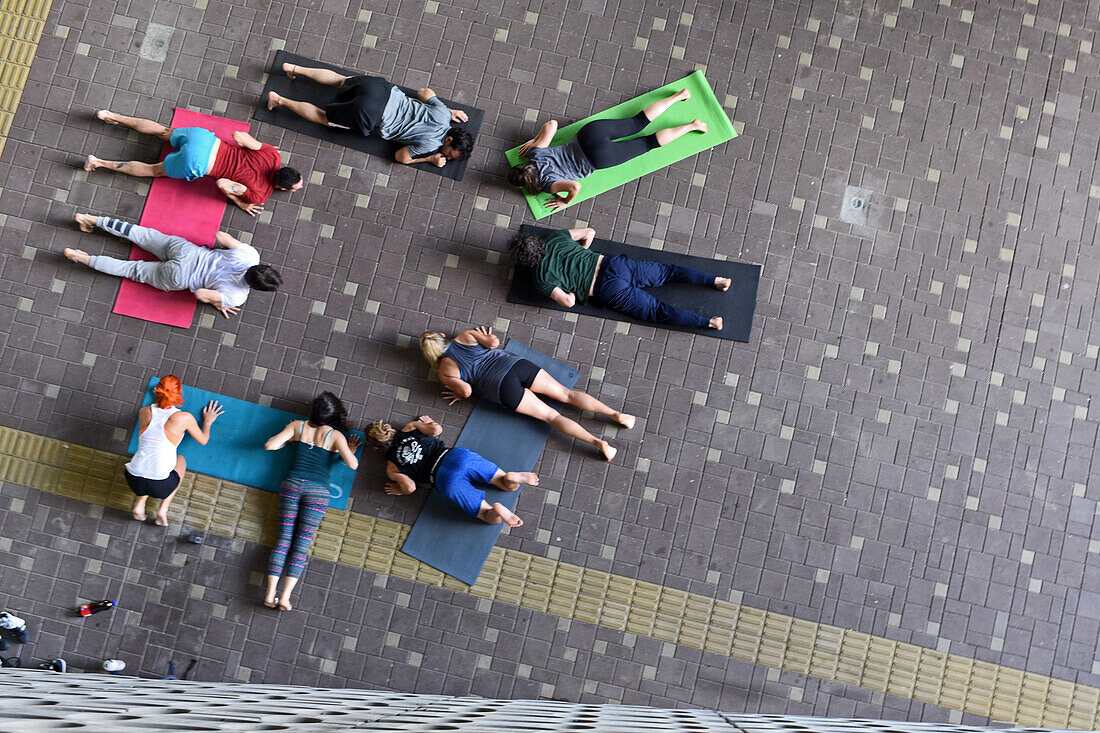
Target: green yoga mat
x=702 y=104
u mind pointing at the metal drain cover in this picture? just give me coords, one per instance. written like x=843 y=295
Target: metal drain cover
x=856 y=205
x=155 y=44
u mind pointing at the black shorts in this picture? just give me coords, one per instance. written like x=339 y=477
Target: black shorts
x=156 y=488
x=359 y=103
x=519 y=377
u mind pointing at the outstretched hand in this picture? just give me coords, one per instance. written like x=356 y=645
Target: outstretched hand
x=449 y=394
x=354 y=442
x=211 y=412
x=486 y=330
x=555 y=203
x=252 y=209
x=226 y=311
x=393 y=489
x=458 y=115
x=526 y=147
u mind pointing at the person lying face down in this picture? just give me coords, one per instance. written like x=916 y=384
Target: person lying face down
x=415 y=454
x=558 y=169
x=373 y=106
x=246 y=173
x=473 y=363
x=566 y=270
x=221 y=276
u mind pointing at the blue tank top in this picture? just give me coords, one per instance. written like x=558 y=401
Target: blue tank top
x=312 y=463
x=560 y=163
x=482 y=368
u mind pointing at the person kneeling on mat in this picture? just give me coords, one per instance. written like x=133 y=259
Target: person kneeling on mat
x=221 y=277
x=416 y=455
x=374 y=106
x=156 y=469
x=568 y=272
x=303 y=494
x=246 y=173
x=556 y=169
x=473 y=364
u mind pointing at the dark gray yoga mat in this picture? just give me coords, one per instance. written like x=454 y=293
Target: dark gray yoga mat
x=736 y=305
x=307 y=91
x=456 y=543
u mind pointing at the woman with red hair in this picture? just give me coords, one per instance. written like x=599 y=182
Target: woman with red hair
x=156 y=469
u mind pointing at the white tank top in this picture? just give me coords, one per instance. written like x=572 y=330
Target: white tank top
x=156 y=454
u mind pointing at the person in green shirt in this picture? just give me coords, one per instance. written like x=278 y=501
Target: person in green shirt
x=566 y=270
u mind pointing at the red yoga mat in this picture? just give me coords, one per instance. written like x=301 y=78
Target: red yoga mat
x=192 y=210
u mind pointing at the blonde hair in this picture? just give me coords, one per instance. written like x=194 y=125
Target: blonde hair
x=432 y=345
x=381 y=432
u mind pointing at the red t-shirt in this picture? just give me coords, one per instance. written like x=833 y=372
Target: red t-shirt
x=253 y=169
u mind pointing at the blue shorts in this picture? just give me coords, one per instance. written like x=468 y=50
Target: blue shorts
x=191 y=158
x=456 y=474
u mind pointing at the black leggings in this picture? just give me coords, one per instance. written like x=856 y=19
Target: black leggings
x=520 y=377
x=599 y=140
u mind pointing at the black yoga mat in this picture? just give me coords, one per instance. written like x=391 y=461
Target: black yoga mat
x=736 y=305
x=452 y=541
x=305 y=90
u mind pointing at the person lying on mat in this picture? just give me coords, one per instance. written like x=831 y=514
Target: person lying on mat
x=557 y=169
x=416 y=454
x=156 y=469
x=221 y=275
x=474 y=364
x=374 y=106
x=568 y=272
x=246 y=173
x=303 y=495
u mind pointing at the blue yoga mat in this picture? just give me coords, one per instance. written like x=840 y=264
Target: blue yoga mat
x=236 y=448
x=456 y=543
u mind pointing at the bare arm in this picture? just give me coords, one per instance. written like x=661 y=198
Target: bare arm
x=562 y=298
x=482 y=334
x=281 y=438
x=209 y=415
x=214 y=298
x=345 y=449
x=404 y=156
x=454 y=389
x=569 y=188
x=542 y=139
x=584 y=236
x=225 y=240
x=246 y=141
x=233 y=191
x=399 y=484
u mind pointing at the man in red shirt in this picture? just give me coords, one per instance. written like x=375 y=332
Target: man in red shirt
x=246 y=174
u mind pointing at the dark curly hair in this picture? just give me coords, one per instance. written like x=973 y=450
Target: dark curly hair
x=462 y=141
x=525 y=176
x=527 y=249
x=327 y=409
x=263 y=277
x=286 y=177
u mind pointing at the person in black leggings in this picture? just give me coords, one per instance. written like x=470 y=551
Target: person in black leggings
x=557 y=169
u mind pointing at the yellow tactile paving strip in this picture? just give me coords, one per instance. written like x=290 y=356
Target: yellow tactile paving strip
x=536 y=583
x=21 y=23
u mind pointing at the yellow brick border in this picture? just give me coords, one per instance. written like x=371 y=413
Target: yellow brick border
x=569 y=591
x=21 y=23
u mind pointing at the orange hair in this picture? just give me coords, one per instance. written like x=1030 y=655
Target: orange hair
x=168 y=392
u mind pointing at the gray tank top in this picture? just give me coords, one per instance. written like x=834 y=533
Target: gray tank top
x=560 y=163
x=483 y=369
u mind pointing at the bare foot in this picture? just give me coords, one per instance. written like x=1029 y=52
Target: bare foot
x=624 y=419
x=722 y=283
x=287 y=69
x=107 y=116
x=273 y=100
x=140 y=516
x=607 y=450
x=86 y=222
x=716 y=323
x=161 y=520
x=683 y=95
x=284 y=605
x=700 y=126
x=507 y=516
x=77 y=255
x=271 y=602
x=514 y=479
x=91 y=163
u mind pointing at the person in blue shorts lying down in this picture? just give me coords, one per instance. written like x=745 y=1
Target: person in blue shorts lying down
x=415 y=454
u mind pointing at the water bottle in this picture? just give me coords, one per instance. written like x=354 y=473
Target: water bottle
x=95 y=607
x=114 y=666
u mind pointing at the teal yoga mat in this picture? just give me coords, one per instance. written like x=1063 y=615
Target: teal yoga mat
x=236 y=448
x=703 y=104
x=454 y=542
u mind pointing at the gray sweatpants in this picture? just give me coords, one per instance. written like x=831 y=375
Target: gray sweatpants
x=178 y=257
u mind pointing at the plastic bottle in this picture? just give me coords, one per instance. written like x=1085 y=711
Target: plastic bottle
x=95 y=607
x=114 y=666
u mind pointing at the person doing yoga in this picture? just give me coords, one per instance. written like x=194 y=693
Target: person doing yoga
x=473 y=363
x=156 y=469
x=246 y=173
x=373 y=106
x=303 y=496
x=568 y=272
x=558 y=169
x=222 y=276
x=415 y=454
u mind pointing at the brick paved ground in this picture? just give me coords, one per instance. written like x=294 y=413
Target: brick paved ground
x=904 y=449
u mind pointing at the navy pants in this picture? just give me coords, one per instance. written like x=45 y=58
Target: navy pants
x=620 y=286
